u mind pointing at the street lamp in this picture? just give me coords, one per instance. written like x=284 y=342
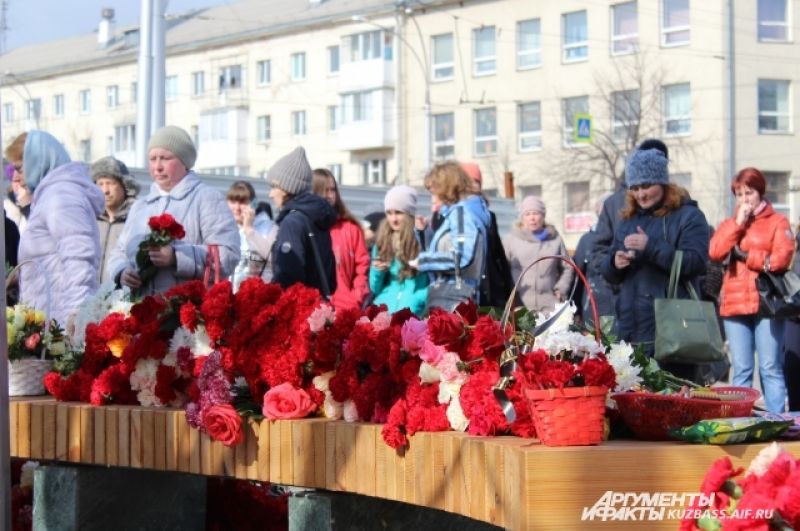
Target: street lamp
x=29 y=100
x=423 y=64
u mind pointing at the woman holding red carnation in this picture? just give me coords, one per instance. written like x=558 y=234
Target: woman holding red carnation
x=201 y=210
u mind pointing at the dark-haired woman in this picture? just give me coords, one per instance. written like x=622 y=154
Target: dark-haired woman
x=755 y=239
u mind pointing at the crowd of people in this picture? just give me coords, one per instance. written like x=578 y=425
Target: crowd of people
x=72 y=227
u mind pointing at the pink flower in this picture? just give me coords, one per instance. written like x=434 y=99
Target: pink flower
x=223 y=424
x=413 y=335
x=32 y=341
x=382 y=321
x=285 y=401
x=448 y=367
x=431 y=352
x=320 y=317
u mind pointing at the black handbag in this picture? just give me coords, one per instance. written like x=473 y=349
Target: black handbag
x=450 y=290
x=779 y=294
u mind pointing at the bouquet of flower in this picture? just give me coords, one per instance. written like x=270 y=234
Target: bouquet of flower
x=27 y=339
x=163 y=230
x=767 y=497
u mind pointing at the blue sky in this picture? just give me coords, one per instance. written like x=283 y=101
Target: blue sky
x=32 y=21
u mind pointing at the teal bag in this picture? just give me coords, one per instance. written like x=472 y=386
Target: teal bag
x=686 y=329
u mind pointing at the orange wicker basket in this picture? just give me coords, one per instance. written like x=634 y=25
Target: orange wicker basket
x=651 y=415
x=572 y=416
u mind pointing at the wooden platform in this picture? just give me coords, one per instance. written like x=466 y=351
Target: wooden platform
x=510 y=482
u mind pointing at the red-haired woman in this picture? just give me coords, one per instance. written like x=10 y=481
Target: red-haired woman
x=755 y=239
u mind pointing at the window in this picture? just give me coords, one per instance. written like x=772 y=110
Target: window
x=333 y=117
x=529 y=44
x=33 y=109
x=8 y=112
x=675 y=22
x=198 y=83
x=112 y=96
x=777 y=191
x=571 y=107
x=264 y=70
x=677 y=109
x=214 y=126
x=298 y=66
x=230 y=77
x=264 y=128
x=624 y=28
x=336 y=170
x=531 y=189
x=298 y=123
x=85 y=149
x=483 y=52
x=125 y=138
x=356 y=107
x=374 y=171
x=625 y=114
x=485 y=132
x=444 y=138
x=58 y=105
x=773 y=21
x=365 y=46
x=333 y=60
x=442 y=52
x=194 y=132
x=576 y=37
x=171 y=88
x=134 y=91
x=85 y=97
x=684 y=180
x=774 y=115
x=578 y=199
x=530 y=126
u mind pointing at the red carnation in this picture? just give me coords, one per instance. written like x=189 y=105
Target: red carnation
x=598 y=372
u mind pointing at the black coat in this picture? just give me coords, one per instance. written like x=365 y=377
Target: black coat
x=293 y=257
x=604 y=295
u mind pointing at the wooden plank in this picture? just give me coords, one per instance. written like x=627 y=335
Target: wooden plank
x=275 y=452
x=217 y=458
x=302 y=452
x=99 y=436
x=263 y=455
x=206 y=455
x=379 y=447
x=148 y=438
x=239 y=466
x=228 y=460
x=423 y=469
x=438 y=485
x=124 y=436
x=287 y=463
x=184 y=442
x=330 y=456
x=62 y=432
x=136 y=438
x=172 y=443
x=24 y=429
x=87 y=434
x=407 y=491
x=474 y=478
x=345 y=461
x=390 y=465
x=37 y=430
x=195 y=451
x=364 y=459
x=112 y=435
x=494 y=483
x=251 y=453
x=49 y=427
x=318 y=428
x=74 y=437
x=13 y=417
x=513 y=488
x=160 y=440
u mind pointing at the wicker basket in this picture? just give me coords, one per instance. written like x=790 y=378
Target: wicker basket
x=26 y=377
x=652 y=415
x=572 y=416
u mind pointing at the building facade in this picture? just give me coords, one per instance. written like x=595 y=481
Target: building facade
x=548 y=97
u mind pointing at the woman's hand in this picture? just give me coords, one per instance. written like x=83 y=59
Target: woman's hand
x=743 y=213
x=130 y=278
x=420 y=222
x=162 y=256
x=21 y=193
x=637 y=241
x=622 y=260
x=380 y=265
x=559 y=297
x=248 y=215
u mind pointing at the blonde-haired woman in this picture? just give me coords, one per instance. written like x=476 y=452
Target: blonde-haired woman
x=392 y=279
x=549 y=281
x=457 y=250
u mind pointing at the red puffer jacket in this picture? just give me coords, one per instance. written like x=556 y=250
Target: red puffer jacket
x=765 y=236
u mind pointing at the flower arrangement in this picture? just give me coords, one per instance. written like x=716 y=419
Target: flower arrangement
x=766 y=497
x=163 y=230
x=28 y=337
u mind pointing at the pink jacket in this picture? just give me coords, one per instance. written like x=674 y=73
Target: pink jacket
x=352 y=265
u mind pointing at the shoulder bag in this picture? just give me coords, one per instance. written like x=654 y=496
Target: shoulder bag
x=778 y=294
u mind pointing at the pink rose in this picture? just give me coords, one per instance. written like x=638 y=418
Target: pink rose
x=285 y=401
x=223 y=424
x=413 y=335
x=32 y=341
x=431 y=352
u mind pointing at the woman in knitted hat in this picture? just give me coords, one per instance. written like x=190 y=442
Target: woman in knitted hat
x=349 y=249
x=302 y=251
x=658 y=219
x=392 y=279
x=549 y=281
x=201 y=210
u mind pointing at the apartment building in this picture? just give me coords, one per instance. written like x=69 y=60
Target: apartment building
x=547 y=97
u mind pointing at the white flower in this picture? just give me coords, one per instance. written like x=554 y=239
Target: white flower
x=350 y=412
x=455 y=415
x=170 y=360
x=148 y=398
x=202 y=343
x=331 y=408
x=181 y=338
x=564 y=320
x=428 y=373
x=764 y=460
x=579 y=344
x=26 y=477
x=144 y=375
x=382 y=321
x=628 y=374
x=323 y=381
x=448 y=392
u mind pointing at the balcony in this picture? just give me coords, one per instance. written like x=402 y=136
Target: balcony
x=223 y=138
x=368 y=122
x=366 y=75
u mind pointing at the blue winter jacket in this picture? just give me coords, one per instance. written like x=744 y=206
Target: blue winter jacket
x=396 y=294
x=647 y=278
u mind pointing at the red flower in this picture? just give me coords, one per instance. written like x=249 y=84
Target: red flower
x=165 y=378
x=486 y=340
x=189 y=316
x=394 y=431
x=223 y=424
x=166 y=223
x=721 y=471
x=598 y=372
x=32 y=341
x=112 y=386
x=445 y=328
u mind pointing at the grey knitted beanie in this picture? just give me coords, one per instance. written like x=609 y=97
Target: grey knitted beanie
x=291 y=173
x=177 y=141
x=647 y=166
x=401 y=198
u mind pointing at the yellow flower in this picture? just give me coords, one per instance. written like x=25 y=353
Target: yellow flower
x=38 y=317
x=11 y=332
x=118 y=344
x=9 y=313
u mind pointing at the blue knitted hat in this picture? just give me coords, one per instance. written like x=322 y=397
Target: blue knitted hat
x=647 y=166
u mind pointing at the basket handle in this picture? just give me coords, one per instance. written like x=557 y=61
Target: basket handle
x=43 y=271
x=510 y=302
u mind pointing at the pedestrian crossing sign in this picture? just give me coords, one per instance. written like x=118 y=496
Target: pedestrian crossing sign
x=582 y=130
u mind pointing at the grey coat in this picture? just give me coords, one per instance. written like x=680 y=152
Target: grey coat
x=537 y=289
x=109 y=234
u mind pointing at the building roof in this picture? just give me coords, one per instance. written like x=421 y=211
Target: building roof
x=216 y=26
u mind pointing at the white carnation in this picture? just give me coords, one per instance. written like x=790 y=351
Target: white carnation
x=332 y=409
x=323 y=381
x=455 y=415
x=428 y=373
x=764 y=460
x=350 y=412
x=202 y=343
